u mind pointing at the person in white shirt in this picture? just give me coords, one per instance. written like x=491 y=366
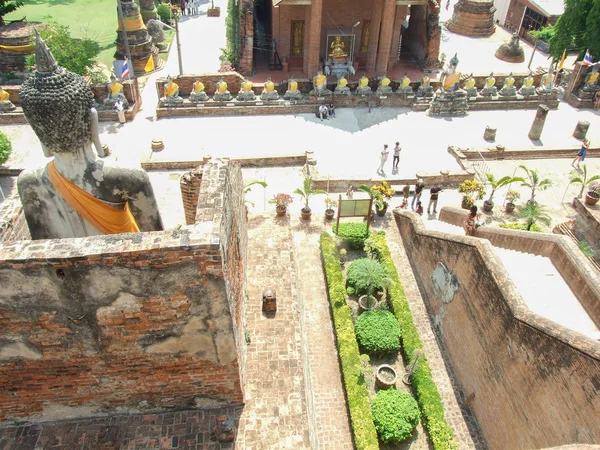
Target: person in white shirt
x=384 y=157
x=323 y=112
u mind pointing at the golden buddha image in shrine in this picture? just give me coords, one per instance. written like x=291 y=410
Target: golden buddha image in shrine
x=339 y=47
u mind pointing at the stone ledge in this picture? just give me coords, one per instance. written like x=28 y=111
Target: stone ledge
x=17 y=116
x=256 y=161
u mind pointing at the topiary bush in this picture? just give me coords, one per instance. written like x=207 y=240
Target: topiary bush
x=378 y=331
x=396 y=414
x=164 y=12
x=354 y=233
x=5 y=148
x=366 y=276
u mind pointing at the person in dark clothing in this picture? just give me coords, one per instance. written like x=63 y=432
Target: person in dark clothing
x=433 y=198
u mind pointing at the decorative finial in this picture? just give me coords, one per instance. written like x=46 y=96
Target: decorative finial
x=44 y=60
x=454 y=60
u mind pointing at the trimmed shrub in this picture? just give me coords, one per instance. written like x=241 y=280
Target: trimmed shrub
x=366 y=276
x=378 y=331
x=365 y=436
x=5 y=148
x=424 y=388
x=396 y=414
x=521 y=226
x=354 y=233
x=164 y=12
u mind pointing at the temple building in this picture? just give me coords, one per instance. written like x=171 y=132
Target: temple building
x=340 y=37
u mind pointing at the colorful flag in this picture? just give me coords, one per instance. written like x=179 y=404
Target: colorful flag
x=447 y=5
x=125 y=71
x=149 y=65
x=587 y=59
x=562 y=60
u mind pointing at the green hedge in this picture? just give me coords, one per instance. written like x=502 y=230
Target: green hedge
x=365 y=436
x=354 y=233
x=426 y=392
x=5 y=148
x=521 y=226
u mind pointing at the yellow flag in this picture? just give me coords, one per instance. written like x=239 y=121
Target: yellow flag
x=149 y=65
x=562 y=60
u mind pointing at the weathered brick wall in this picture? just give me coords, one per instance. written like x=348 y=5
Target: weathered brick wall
x=529 y=376
x=13 y=226
x=129 y=322
x=190 y=189
x=514 y=16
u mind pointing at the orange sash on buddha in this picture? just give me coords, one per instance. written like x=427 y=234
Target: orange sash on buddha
x=451 y=80
x=104 y=217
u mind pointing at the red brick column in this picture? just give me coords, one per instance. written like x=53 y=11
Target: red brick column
x=247 y=40
x=385 y=36
x=190 y=192
x=434 y=33
x=374 y=34
x=314 y=39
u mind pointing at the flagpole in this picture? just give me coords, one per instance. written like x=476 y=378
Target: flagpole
x=124 y=36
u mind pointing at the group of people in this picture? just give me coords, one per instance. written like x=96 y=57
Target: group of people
x=189 y=7
x=325 y=112
x=385 y=153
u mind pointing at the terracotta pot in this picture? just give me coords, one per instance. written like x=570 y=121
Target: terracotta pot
x=329 y=213
x=509 y=207
x=488 y=206
x=281 y=210
x=385 y=376
x=381 y=212
x=367 y=302
x=306 y=213
x=213 y=12
x=591 y=198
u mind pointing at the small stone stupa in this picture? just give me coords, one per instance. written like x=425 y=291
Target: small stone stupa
x=473 y=18
x=511 y=52
x=140 y=42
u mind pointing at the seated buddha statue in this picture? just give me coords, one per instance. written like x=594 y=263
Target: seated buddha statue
x=490 y=90
x=337 y=49
x=405 y=87
x=470 y=86
x=363 y=86
x=342 y=87
x=591 y=81
x=246 y=93
x=509 y=89
x=198 y=94
x=547 y=84
x=269 y=93
x=170 y=94
x=292 y=93
x=115 y=93
x=320 y=85
x=527 y=89
x=222 y=94
x=384 y=87
x=450 y=76
x=425 y=89
x=5 y=103
x=75 y=195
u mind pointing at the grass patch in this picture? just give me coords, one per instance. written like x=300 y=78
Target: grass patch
x=426 y=392
x=365 y=435
x=521 y=226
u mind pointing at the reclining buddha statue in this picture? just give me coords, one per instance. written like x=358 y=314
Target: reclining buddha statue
x=75 y=194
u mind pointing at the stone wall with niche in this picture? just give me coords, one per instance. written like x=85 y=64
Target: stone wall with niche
x=131 y=322
x=529 y=375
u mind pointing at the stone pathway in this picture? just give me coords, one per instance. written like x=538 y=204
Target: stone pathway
x=327 y=392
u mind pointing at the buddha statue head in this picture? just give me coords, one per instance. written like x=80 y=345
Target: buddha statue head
x=385 y=81
x=453 y=63
x=490 y=81
x=292 y=84
x=247 y=86
x=509 y=81
x=269 y=85
x=405 y=80
x=198 y=86
x=58 y=104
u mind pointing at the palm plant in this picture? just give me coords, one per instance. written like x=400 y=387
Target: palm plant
x=583 y=180
x=307 y=192
x=533 y=181
x=532 y=213
x=495 y=185
x=248 y=187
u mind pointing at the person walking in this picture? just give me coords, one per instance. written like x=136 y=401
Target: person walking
x=384 y=157
x=582 y=153
x=396 y=160
x=418 y=191
x=433 y=198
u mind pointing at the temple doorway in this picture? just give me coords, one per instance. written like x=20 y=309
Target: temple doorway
x=412 y=45
x=263 y=36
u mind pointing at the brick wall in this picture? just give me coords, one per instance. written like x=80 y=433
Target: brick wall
x=514 y=15
x=529 y=375
x=13 y=226
x=130 y=322
x=190 y=189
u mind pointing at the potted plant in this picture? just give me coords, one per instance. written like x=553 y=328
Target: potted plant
x=306 y=193
x=591 y=198
x=510 y=197
x=247 y=188
x=533 y=181
x=495 y=184
x=212 y=11
x=472 y=190
x=381 y=194
x=385 y=376
x=329 y=211
x=281 y=202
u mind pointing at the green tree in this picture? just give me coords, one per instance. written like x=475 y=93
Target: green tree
x=76 y=55
x=533 y=181
x=6 y=7
x=532 y=213
x=578 y=27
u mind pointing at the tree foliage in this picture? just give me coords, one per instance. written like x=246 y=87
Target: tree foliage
x=6 y=7
x=578 y=28
x=76 y=55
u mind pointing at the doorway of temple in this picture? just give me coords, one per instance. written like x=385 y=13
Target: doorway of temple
x=263 y=36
